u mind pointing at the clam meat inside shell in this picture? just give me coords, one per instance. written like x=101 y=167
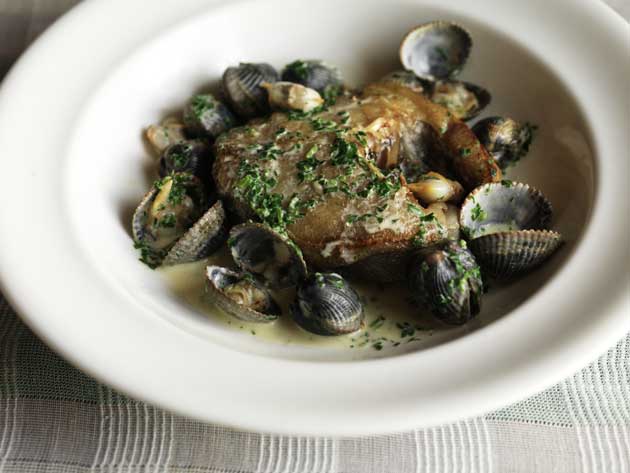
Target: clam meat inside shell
x=260 y=250
x=241 y=295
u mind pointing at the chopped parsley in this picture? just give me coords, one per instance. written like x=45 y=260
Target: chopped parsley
x=319 y=124
x=255 y=186
x=200 y=104
x=406 y=329
x=311 y=152
x=336 y=281
x=148 y=255
x=377 y=323
x=345 y=117
x=299 y=115
x=344 y=153
x=299 y=68
x=181 y=182
x=297 y=208
x=269 y=152
x=168 y=221
x=415 y=210
x=419 y=238
x=382 y=186
x=251 y=131
x=478 y=214
x=360 y=136
x=306 y=167
x=330 y=94
x=335 y=184
x=179 y=157
x=319 y=279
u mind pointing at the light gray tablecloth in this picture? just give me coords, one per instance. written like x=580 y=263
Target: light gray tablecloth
x=55 y=419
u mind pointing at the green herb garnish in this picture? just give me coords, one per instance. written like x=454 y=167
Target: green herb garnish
x=478 y=214
x=377 y=323
x=330 y=94
x=148 y=255
x=200 y=104
x=168 y=221
x=299 y=68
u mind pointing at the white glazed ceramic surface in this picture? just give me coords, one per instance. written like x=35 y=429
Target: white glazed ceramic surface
x=71 y=117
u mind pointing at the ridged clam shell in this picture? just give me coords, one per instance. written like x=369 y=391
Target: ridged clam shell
x=203 y=239
x=242 y=88
x=510 y=254
x=447 y=281
x=504 y=206
x=206 y=117
x=436 y=50
x=259 y=250
x=188 y=156
x=327 y=305
x=314 y=74
x=139 y=218
x=506 y=140
x=219 y=278
x=139 y=221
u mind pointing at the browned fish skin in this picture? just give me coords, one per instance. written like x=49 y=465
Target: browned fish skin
x=467 y=159
x=355 y=211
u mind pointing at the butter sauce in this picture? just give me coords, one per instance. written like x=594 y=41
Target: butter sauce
x=391 y=320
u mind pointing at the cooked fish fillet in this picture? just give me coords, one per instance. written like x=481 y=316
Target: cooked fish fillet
x=319 y=174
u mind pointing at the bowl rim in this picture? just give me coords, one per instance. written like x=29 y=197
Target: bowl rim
x=478 y=391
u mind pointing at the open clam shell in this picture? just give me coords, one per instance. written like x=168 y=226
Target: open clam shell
x=165 y=214
x=508 y=254
x=258 y=249
x=207 y=117
x=204 y=238
x=139 y=219
x=447 y=280
x=240 y=295
x=463 y=99
x=327 y=305
x=506 y=140
x=409 y=80
x=436 y=50
x=242 y=87
x=507 y=225
x=504 y=206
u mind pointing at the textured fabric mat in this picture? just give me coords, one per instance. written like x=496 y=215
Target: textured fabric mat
x=55 y=419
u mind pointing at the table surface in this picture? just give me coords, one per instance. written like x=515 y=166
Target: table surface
x=53 y=418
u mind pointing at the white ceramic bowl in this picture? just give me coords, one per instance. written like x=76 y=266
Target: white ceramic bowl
x=71 y=115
